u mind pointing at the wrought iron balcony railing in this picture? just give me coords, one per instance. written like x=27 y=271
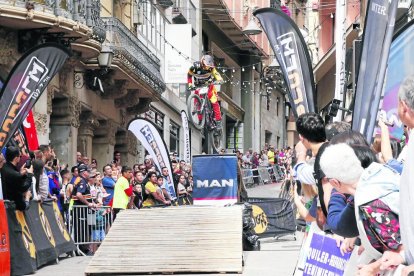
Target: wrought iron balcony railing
x=83 y=11
x=133 y=53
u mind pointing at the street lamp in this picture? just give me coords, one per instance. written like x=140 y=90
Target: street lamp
x=252 y=28
x=105 y=57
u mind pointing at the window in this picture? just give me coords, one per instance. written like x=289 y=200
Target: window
x=174 y=137
x=157 y=118
x=277 y=106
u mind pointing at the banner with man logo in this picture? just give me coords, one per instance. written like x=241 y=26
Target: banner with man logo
x=378 y=32
x=151 y=139
x=26 y=82
x=273 y=216
x=187 y=137
x=292 y=54
x=215 y=179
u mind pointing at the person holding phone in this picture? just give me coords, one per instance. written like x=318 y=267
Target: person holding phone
x=16 y=183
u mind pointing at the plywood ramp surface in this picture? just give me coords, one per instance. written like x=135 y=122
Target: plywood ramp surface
x=184 y=239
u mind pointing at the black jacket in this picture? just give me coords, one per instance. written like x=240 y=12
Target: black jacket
x=15 y=185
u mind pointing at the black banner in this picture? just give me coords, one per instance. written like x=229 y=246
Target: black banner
x=63 y=241
x=41 y=233
x=23 y=257
x=273 y=216
x=378 y=32
x=292 y=54
x=26 y=82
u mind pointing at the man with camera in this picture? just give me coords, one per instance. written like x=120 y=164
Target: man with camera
x=16 y=183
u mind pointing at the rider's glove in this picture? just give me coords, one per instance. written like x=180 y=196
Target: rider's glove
x=190 y=86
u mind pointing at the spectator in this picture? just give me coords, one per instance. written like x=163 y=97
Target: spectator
x=75 y=174
x=264 y=159
x=406 y=115
x=271 y=155
x=15 y=183
x=79 y=160
x=138 y=196
x=122 y=191
x=151 y=190
x=117 y=158
x=85 y=160
x=181 y=190
x=167 y=182
x=94 y=164
x=376 y=192
x=65 y=192
x=108 y=183
x=115 y=171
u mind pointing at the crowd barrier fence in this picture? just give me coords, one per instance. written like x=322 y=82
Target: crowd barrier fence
x=262 y=175
x=37 y=236
x=88 y=227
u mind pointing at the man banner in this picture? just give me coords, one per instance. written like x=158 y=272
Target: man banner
x=187 y=137
x=292 y=54
x=26 y=82
x=215 y=179
x=150 y=138
x=376 y=43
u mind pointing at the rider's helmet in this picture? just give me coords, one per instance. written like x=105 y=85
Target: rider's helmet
x=207 y=62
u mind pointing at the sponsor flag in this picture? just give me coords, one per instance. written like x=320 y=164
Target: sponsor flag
x=187 y=137
x=376 y=43
x=150 y=138
x=215 y=179
x=29 y=128
x=400 y=66
x=340 y=42
x=26 y=82
x=292 y=54
x=4 y=241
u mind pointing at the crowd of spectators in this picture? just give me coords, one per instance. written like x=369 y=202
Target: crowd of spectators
x=360 y=193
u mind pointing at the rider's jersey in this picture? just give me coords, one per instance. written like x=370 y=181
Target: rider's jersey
x=201 y=75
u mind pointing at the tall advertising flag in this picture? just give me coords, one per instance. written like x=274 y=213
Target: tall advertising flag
x=187 y=141
x=150 y=138
x=26 y=82
x=376 y=43
x=340 y=42
x=292 y=54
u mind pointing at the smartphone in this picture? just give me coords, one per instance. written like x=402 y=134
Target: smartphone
x=55 y=162
x=28 y=163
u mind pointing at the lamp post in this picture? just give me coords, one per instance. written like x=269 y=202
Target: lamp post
x=93 y=77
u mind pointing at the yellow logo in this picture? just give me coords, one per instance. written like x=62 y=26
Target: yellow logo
x=260 y=219
x=26 y=236
x=60 y=222
x=46 y=226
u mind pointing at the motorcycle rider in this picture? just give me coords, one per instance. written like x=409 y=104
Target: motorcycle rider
x=203 y=73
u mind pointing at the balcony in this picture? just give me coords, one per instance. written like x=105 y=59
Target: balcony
x=178 y=16
x=165 y=3
x=131 y=56
x=78 y=20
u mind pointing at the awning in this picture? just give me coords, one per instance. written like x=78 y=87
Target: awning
x=218 y=12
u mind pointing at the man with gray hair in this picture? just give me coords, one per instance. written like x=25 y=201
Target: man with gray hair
x=406 y=114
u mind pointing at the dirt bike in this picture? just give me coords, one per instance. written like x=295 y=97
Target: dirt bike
x=202 y=115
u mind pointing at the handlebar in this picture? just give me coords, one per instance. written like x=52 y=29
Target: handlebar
x=193 y=88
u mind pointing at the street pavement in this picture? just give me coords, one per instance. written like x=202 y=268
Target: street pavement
x=277 y=256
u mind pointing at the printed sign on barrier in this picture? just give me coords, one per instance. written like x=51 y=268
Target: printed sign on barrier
x=324 y=257
x=215 y=179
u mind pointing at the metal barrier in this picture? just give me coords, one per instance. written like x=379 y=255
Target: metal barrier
x=88 y=227
x=262 y=175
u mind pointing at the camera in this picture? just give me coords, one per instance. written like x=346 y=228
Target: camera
x=54 y=162
x=28 y=163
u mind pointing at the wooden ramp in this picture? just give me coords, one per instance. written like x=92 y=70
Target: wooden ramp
x=173 y=240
